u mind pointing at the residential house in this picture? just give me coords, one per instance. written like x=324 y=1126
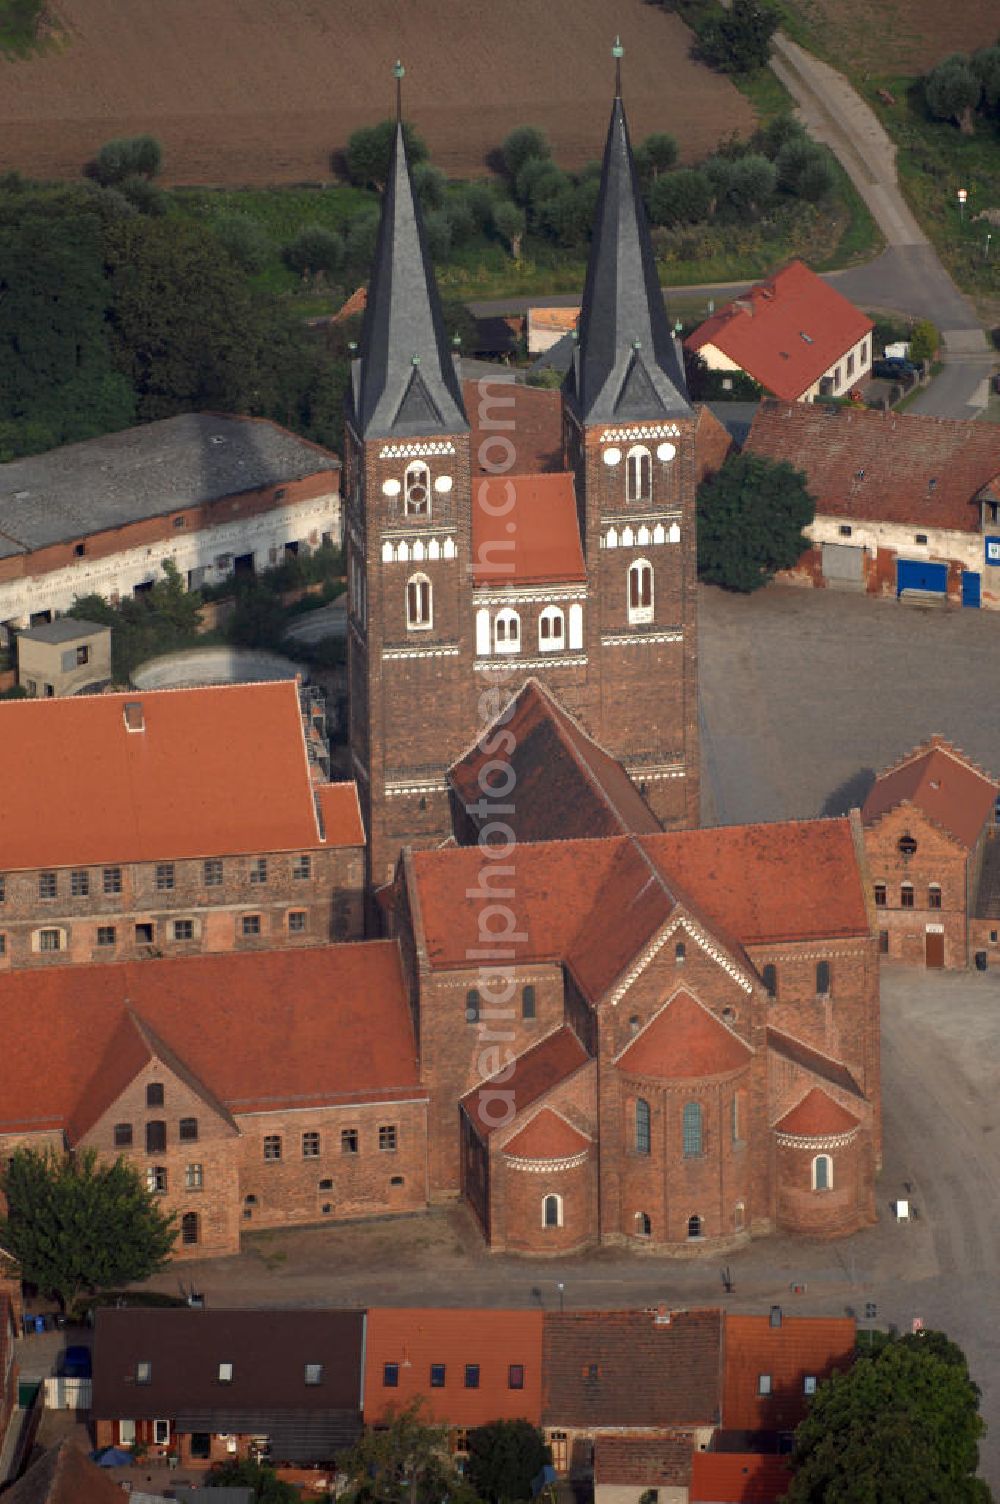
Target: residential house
x=632 y=1465
x=738 y=1478
x=772 y=1366
x=172 y=822
x=546 y=326
x=211 y=494
x=930 y=837
x=905 y=504
x=212 y=1385
x=794 y=334
x=64 y=1475
x=63 y=657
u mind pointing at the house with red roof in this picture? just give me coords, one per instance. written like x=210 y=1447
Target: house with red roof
x=738 y=1478
x=934 y=859
x=794 y=334
x=772 y=1366
x=906 y=506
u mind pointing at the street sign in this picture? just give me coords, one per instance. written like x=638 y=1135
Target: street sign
x=993 y=551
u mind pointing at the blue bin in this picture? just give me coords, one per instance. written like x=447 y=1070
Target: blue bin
x=39 y=1323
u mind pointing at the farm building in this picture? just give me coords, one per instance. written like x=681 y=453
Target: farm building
x=794 y=334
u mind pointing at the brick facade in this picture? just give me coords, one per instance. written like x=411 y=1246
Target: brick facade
x=908 y=886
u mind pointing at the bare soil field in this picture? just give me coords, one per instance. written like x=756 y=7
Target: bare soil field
x=262 y=91
x=900 y=36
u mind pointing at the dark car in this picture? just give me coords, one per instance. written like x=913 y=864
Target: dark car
x=893 y=367
x=76 y=1363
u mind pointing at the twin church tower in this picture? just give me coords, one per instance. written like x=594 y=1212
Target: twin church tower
x=476 y=562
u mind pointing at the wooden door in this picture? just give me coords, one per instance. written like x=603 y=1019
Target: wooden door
x=934 y=948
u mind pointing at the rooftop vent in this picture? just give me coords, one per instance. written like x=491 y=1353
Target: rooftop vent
x=662 y=1317
x=775 y=1315
x=807 y=337
x=932 y=483
x=218 y=438
x=133 y=716
x=860 y=474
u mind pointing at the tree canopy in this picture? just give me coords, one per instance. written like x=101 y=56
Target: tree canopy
x=750 y=519
x=901 y=1424
x=161 y=620
x=263 y=1481
x=504 y=1456
x=404 y=1461
x=952 y=91
x=369 y=151
x=76 y=1225
x=738 y=40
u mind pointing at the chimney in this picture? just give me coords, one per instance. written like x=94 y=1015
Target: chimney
x=775 y=1315
x=662 y=1317
x=133 y=716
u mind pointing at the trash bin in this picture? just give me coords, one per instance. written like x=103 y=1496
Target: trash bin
x=39 y=1324
x=28 y=1323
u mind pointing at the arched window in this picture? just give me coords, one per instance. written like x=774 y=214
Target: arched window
x=638 y=474
x=822 y=1173
x=552 y=1211
x=643 y=1224
x=739 y=1108
x=633 y=1024
x=822 y=978
x=694 y=1226
x=880 y=895
x=692 y=1129
x=770 y=979
x=483 y=635
x=189 y=1228
x=640 y=591
x=906 y=895
x=417 y=490
x=419 y=602
x=575 y=628
x=642 y=1127
x=934 y=896
x=507 y=631
x=472 y=1006
x=680 y=953
x=551 y=630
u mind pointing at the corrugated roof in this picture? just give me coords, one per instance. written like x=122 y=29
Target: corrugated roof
x=785 y=332
x=491 y=1341
x=526 y=531
x=684 y=1040
x=816 y=1116
x=800 y=1347
x=738 y=1478
x=81 y=789
x=947 y=787
x=884 y=467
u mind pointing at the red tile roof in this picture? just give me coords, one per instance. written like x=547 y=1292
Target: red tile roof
x=810 y=1059
x=187 y=785
x=642 y=1460
x=628 y=1368
x=565 y=785
x=684 y=1040
x=801 y=1347
x=944 y=785
x=535 y=1073
x=630 y=906
x=884 y=467
x=492 y=1340
x=547 y=1136
x=330 y=1025
x=525 y=531
x=738 y=1478
x=817 y=1116
x=530 y=418
x=785 y=332
x=340 y=811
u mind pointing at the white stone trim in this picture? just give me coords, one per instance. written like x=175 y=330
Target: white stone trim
x=652 y=950
x=432 y=786
x=545 y=1166
x=632 y=639
x=410 y=550
x=550 y=660
x=528 y=594
x=661 y=770
x=807 y=1141
x=633 y=534
x=449 y=650
x=405 y=451
x=653 y=431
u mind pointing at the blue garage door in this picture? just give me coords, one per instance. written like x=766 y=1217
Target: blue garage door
x=917 y=574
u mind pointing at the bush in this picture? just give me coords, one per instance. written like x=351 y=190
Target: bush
x=315 y=251
x=804 y=169
x=523 y=145
x=751 y=184
x=127 y=157
x=986 y=66
x=533 y=172
x=509 y=222
x=143 y=195
x=438 y=227
x=739 y=40
x=246 y=241
x=370 y=149
x=655 y=156
x=482 y=203
x=359 y=242
x=461 y=219
x=680 y=198
x=778 y=132
x=952 y=91
x=924 y=341
x=430 y=185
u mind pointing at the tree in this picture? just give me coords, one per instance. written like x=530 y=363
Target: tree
x=952 y=91
x=405 y=1461
x=76 y=1226
x=804 y=169
x=924 y=340
x=315 y=251
x=739 y=40
x=750 y=519
x=509 y=222
x=369 y=151
x=362 y=233
x=430 y=184
x=126 y=157
x=901 y=1424
x=161 y=620
x=680 y=198
x=655 y=156
x=751 y=186
x=986 y=66
x=503 y=1458
x=264 y=1483
x=246 y=241
x=523 y=144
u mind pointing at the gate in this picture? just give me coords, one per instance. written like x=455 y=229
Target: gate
x=844 y=566
x=919 y=574
x=971 y=587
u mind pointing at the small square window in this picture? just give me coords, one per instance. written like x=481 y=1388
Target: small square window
x=272 y=1147
x=326 y=1185
x=144 y=933
x=156 y=1179
x=123 y=1135
x=82 y=656
x=437 y=1375
x=297 y=922
x=845 y=530
x=112 y=879
x=194 y=1177
x=183 y=929
x=46 y=885
x=258 y=870
x=387 y=1136
x=314 y=1373
x=395 y=1180
x=472 y=1375
x=212 y=873
x=154 y=1094
x=251 y=924
x=349 y=1141
x=302 y=868
x=310 y=1146
x=187 y=1130
x=3 y=890
x=390 y=1376
x=144 y=1372
x=763 y=1383
x=809 y=1384
x=164 y=877
x=50 y=939
x=79 y=884
x=106 y=934
x=515 y=1376
x=225 y=1373
x=920 y=538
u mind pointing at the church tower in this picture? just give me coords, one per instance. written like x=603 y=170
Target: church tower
x=406 y=533
x=629 y=435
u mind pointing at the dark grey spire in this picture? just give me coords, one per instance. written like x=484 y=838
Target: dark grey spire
x=406 y=380
x=626 y=365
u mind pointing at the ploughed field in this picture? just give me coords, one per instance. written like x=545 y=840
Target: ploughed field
x=263 y=91
x=900 y=36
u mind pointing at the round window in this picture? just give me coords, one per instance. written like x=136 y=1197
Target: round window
x=907 y=845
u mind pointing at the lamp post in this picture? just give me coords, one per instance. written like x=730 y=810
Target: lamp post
x=562 y=1294
x=989 y=237
x=963 y=194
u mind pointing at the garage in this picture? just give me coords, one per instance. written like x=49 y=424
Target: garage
x=844 y=566
x=919 y=574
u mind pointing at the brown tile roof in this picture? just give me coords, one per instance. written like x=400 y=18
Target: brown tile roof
x=547 y=1136
x=330 y=1024
x=887 y=467
x=491 y=1340
x=938 y=780
x=268 y=1351
x=801 y=1347
x=605 y=1369
x=813 y=1060
x=115 y=795
x=64 y=1475
x=630 y=906
x=786 y=332
x=530 y=417
x=739 y=1478
x=566 y=786
x=643 y=1461
x=684 y=1040
x=816 y=1116
x=525 y=531
x=537 y=1071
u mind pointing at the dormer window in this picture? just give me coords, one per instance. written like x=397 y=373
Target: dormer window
x=417 y=490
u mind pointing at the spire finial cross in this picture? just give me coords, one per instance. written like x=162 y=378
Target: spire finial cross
x=399 y=73
x=618 y=52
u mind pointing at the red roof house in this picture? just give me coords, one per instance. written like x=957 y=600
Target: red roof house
x=772 y=1366
x=738 y=1478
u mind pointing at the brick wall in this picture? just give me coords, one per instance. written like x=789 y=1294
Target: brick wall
x=938 y=859
x=846 y=1207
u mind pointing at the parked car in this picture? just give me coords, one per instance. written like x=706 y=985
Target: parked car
x=893 y=368
x=76 y=1363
